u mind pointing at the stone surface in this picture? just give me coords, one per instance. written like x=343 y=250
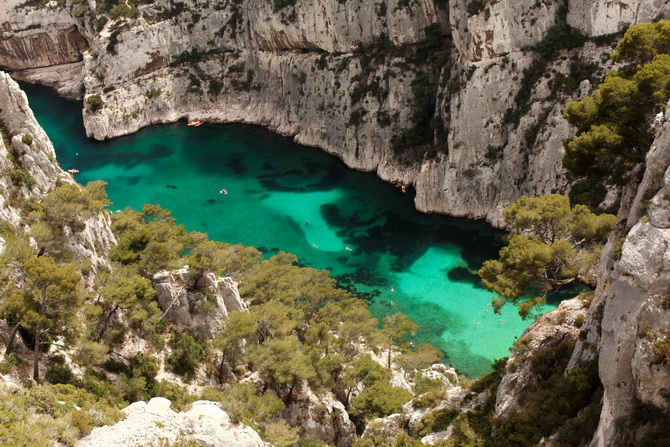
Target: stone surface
x=33 y=37
x=146 y=423
x=320 y=416
x=598 y=17
x=199 y=305
x=548 y=332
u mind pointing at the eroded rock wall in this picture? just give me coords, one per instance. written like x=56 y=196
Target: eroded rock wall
x=30 y=171
x=629 y=319
x=297 y=69
x=599 y=17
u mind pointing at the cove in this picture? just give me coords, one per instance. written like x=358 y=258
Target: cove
x=283 y=196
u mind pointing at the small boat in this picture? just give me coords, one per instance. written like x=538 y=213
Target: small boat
x=195 y=123
x=73 y=171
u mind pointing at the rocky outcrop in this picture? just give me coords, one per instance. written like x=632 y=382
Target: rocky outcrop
x=45 y=44
x=456 y=397
x=199 y=304
x=498 y=28
x=66 y=79
x=205 y=424
x=338 y=26
x=320 y=416
x=558 y=329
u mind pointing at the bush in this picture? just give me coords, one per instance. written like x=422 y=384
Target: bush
x=379 y=400
x=429 y=399
x=437 y=420
x=94 y=103
x=153 y=93
x=21 y=177
x=7 y=364
x=27 y=139
x=187 y=354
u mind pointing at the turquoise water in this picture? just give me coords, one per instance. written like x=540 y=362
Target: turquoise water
x=366 y=232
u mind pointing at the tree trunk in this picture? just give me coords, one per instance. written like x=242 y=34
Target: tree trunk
x=104 y=326
x=36 y=355
x=12 y=336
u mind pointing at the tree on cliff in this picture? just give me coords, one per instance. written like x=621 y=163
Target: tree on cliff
x=63 y=211
x=53 y=299
x=614 y=125
x=551 y=245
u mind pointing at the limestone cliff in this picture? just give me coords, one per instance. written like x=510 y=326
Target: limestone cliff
x=628 y=319
x=30 y=171
x=51 y=39
x=345 y=76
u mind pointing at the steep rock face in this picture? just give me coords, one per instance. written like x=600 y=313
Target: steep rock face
x=309 y=95
x=35 y=171
x=39 y=37
x=498 y=28
x=598 y=17
x=292 y=67
x=154 y=423
x=630 y=310
x=199 y=305
x=338 y=26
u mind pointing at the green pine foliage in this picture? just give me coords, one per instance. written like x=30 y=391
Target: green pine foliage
x=614 y=125
x=301 y=328
x=552 y=244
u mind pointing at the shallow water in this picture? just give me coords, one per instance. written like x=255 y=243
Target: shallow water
x=365 y=231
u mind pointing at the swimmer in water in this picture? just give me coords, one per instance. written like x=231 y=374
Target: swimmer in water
x=307 y=222
x=348 y=249
x=392 y=289
x=477 y=321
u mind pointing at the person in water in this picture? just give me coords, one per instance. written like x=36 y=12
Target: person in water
x=306 y=222
x=223 y=191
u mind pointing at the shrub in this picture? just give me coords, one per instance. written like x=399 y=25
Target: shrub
x=437 y=420
x=20 y=177
x=429 y=399
x=94 y=103
x=153 y=93
x=7 y=364
x=187 y=354
x=379 y=400
x=27 y=139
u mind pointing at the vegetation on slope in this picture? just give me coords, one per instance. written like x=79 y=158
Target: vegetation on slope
x=301 y=328
x=552 y=244
x=615 y=125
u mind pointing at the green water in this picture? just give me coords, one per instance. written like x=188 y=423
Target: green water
x=366 y=232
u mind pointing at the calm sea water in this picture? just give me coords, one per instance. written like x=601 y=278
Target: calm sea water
x=366 y=232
